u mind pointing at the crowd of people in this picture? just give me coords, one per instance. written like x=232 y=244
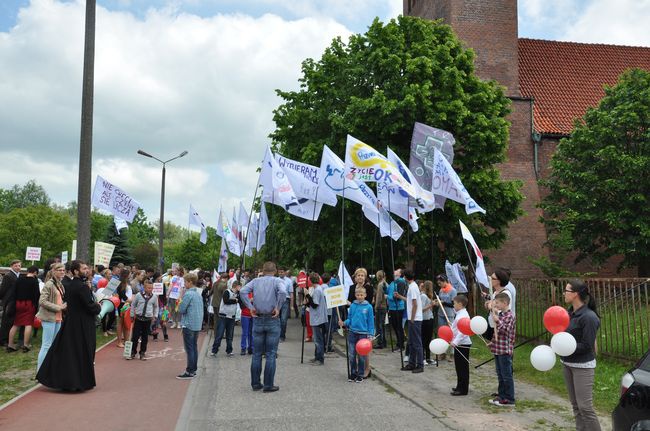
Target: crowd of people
x=404 y=314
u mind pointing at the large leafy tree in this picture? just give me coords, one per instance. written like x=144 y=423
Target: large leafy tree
x=36 y=226
x=599 y=185
x=31 y=194
x=375 y=88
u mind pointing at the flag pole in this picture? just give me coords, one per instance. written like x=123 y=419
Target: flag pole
x=248 y=226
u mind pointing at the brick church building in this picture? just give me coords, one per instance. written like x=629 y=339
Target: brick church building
x=550 y=84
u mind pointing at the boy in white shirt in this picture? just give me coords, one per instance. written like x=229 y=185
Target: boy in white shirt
x=461 y=343
x=414 y=313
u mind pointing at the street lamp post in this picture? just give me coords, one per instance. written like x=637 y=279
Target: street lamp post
x=161 y=224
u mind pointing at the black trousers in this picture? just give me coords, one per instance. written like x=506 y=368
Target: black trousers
x=427 y=334
x=140 y=331
x=462 y=368
x=395 y=320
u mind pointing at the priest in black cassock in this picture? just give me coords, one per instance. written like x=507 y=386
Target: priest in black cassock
x=68 y=365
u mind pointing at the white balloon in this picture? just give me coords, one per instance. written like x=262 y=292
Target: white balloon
x=478 y=324
x=542 y=357
x=563 y=343
x=438 y=346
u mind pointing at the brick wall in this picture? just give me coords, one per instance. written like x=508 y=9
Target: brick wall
x=488 y=27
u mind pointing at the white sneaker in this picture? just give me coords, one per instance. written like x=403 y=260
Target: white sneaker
x=173 y=325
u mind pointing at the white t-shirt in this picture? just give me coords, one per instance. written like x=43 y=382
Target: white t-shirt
x=414 y=293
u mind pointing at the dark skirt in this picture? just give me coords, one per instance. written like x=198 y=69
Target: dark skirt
x=25 y=312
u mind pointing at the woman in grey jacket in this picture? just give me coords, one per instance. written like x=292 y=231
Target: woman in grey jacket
x=579 y=367
x=51 y=306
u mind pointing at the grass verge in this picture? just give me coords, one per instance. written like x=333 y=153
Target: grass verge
x=606 y=385
x=18 y=369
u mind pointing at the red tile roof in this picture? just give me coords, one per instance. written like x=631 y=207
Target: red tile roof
x=566 y=78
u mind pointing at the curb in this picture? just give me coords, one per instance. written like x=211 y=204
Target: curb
x=38 y=385
x=386 y=382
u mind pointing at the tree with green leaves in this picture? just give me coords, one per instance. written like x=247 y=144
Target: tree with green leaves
x=141 y=231
x=122 y=252
x=598 y=205
x=375 y=88
x=31 y=194
x=35 y=226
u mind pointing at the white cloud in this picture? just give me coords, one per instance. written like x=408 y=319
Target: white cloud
x=165 y=83
x=624 y=22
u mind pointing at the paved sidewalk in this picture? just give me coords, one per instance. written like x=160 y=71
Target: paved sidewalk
x=536 y=408
x=310 y=397
x=142 y=395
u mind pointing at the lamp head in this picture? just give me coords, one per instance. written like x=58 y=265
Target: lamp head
x=142 y=153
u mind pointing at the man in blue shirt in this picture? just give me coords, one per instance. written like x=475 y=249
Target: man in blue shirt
x=269 y=294
x=396 y=306
x=287 y=282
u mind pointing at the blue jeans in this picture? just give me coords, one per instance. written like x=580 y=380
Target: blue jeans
x=357 y=362
x=266 y=336
x=190 y=342
x=247 y=333
x=50 y=329
x=320 y=333
x=226 y=325
x=504 y=373
x=284 y=318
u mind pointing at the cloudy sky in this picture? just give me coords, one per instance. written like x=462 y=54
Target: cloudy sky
x=196 y=75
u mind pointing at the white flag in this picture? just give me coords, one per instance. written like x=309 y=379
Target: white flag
x=195 y=220
x=236 y=229
x=278 y=190
x=119 y=224
x=364 y=163
x=446 y=182
x=223 y=258
x=425 y=201
x=242 y=218
x=344 y=279
x=229 y=236
x=111 y=198
x=261 y=227
x=382 y=219
x=273 y=178
x=251 y=236
x=413 y=219
x=304 y=179
x=331 y=177
x=220 y=225
x=394 y=199
x=481 y=274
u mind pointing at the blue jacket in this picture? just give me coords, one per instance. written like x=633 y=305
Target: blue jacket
x=395 y=304
x=191 y=310
x=361 y=319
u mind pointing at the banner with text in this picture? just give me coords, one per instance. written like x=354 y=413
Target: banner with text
x=111 y=198
x=103 y=253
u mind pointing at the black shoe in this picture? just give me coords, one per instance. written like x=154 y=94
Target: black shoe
x=185 y=376
x=457 y=393
x=257 y=388
x=271 y=389
x=417 y=370
x=243 y=352
x=250 y=351
x=408 y=367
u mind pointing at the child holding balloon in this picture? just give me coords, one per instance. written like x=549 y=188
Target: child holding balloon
x=361 y=324
x=462 y=343
x=502 y=345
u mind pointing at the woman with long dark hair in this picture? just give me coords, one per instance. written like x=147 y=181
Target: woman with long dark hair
x=125 y=294
x=579 y=367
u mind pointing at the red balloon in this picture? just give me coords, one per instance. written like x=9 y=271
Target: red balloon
x=556 y=319
x=364 y=346
x=37 y=323
x=102 y=283
x=116 y=301
x=464 y=326
x=445 y=333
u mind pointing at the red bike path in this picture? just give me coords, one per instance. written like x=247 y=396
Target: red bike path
x=142 y=395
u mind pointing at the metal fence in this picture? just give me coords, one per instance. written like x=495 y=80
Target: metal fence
x=623 y=306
